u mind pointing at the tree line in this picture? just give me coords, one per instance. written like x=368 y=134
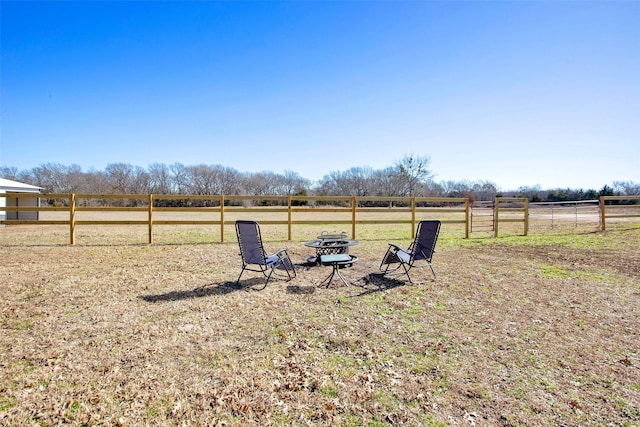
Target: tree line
x=411 y=176
x=619 y=188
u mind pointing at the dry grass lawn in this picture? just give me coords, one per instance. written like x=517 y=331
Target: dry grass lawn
x=538 y=330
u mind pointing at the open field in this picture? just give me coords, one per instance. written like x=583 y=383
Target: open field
x=537 y=330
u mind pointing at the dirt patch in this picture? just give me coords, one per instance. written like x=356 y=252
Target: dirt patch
x=600 y=260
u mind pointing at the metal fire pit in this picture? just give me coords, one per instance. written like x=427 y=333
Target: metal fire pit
x=329 y=244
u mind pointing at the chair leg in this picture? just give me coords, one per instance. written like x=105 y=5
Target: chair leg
x=288 y=267
x=264 y=272
x=405 y=266
x=286 y=263
x=268 y=278
x=238 y=281
x=389 y=258
x=406 y=271
x=269 y=270
x=411 y=281
x=273 y=267
x=289 y=273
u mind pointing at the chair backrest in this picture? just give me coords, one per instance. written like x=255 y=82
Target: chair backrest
x=425 y=242
x=250 y=241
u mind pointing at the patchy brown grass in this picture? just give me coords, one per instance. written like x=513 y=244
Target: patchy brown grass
x=538 y=330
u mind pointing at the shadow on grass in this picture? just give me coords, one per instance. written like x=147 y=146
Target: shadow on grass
x=210 y=289
x=378 y=282
x=217 y=289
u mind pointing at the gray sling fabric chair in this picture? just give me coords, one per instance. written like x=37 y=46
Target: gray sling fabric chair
x=254 y=257
x=418 y=254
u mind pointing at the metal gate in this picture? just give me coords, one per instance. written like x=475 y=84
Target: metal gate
x=482 y=216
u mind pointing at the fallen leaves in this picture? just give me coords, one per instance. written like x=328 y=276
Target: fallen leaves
x=157 y=335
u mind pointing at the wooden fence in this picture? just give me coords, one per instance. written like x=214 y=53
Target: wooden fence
x=151 y=210
x=151 y=207
x=513 y=209
x=617 y=210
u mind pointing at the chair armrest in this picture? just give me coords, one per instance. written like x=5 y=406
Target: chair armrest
x=280 y=252
x=396 y=247
x=402 y=254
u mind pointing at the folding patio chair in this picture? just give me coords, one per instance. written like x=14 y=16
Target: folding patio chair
x=418 y=254
x=254 y=257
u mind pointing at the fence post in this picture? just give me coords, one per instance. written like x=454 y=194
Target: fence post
x=495 y=217
x=222 y=219
x=353 y=217
x=150 y=218
x=289 y=218
x=526 y=216
x=72 y=218
x=413 y=217
x=466 y=218
x=602 y=214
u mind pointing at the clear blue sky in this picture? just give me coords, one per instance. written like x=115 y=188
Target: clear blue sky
x=513 y=92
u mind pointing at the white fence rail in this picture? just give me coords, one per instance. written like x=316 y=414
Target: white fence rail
x=556 y=215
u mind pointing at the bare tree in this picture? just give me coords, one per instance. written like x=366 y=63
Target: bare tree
x=229 y=180
x=292 y=183
x=484 y=190
x=433 y=188
x=160 y=179
x=358 y=181
x=387 y=182
x=205 y=179
x=124 y=178
x=456 y=188
x=627 y=188
x=414 y=170
x=120 y=177
x=180 y=178
x=200 y=179
x=9 y=172
x=264 y=183
x=533 y=193
x=140 y=181
x=97 y=182
x=333 y=184
x=57 y=178
x=408 y=177
x=474 y=190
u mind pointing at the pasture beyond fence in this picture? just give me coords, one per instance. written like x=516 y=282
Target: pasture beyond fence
x=74 y=210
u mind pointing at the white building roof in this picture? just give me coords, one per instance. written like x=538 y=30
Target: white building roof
x=9 y=185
